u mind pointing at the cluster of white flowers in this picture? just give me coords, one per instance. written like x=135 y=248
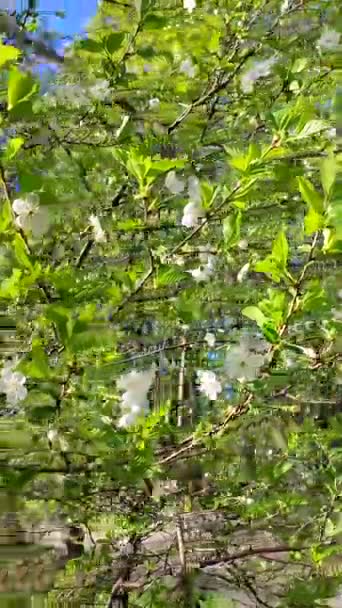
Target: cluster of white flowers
x=329 y=40
x=99 y=234
x=189 y=5
x=209 y=384
x=134 y=401
x=260 y=69
x=74 y=95
x=192 y=215
x=204 y=273
x=242 y=363
x=193 y=212
x=30 y=217
x=12 y=383
x=207 y=267
x=173 y=183
x=100 y=90
x=210 y=339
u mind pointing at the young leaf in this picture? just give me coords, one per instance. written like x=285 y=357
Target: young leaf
x=313 y=222
x=8 y=53
x=170 y=275
x=254 y=313
x=310 y=195
x=231 y=229
x=328 y=174
x=280 y=249
x=268 y=266
x=90 y=45
x=311 y=128
x=13 y=147
x=20 y=252
x=114 y=41
x=270 y=332
x=21 y=87
x=142 y=7
x=5 y=215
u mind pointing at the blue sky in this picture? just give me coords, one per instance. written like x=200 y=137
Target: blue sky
x=78 y=13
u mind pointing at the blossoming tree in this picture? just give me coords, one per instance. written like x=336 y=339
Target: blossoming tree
x=171 y=217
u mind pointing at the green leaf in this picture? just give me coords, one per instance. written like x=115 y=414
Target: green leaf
x=170 y=275
x=311 y=128
x=21 y=87
x=268 y=266
x=13 y=147
x=328 y=173
x=299 y=65
x=114 y=41
x=280 y=249
x=142 y=7
x=231 y=229
x=90 y=45
x=6 y=216
x=8 y=53
x=155 y=22
x=165 y=165
x=254 y=313
x=313 y=221
x=92 y=340
x=38 y=367
x=21 y=252
x=60 y=317
x=310 y=195
x=10 y=288
x=270 y=332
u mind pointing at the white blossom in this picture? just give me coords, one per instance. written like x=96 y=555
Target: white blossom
x=127 y=420
x=188 y=68
x=202 y=273
x=189 y=5
x=12 y=384
x=243 y=272
x=178 y=260
x=242 y=364
x=74 y=95
x=136 y=381
x=134 y=401
x=211 y=261
x=52 y=435
x=99 y=234
x=194 y=190
x=331 y=133
x=173 y=184
x=243 y=244
x=260 y=69
x=154 y=103
x=100 y=90
x=192 y=214
x=210 y=339
x=309 y=352
x=209 y=385
x=284 y=7
x=329 y=40
x=30 y=217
